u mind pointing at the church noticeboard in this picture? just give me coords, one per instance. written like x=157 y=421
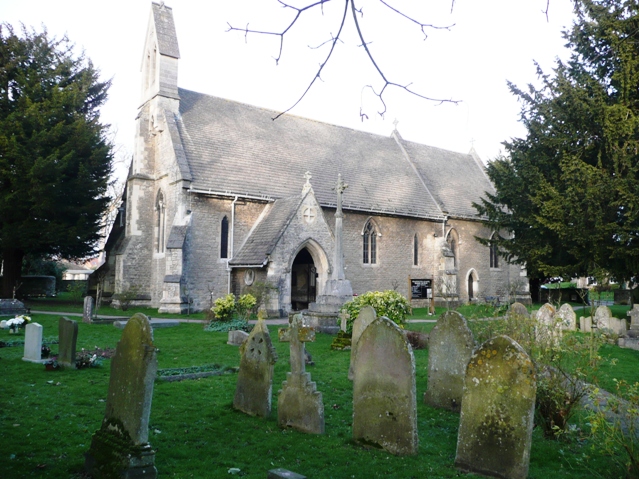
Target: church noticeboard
x=421 y=288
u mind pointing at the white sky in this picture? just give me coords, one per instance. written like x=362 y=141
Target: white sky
x=492 y=41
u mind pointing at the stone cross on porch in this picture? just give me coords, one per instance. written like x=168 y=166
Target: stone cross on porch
x=297 y=335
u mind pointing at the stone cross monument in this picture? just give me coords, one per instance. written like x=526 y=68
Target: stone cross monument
x=323 y=314
x=299 y=405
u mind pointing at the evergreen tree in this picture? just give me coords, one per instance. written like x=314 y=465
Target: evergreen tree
x=55 y=159
x=568 y=193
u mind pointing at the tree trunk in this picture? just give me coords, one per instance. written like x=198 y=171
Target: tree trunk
x=12 y=269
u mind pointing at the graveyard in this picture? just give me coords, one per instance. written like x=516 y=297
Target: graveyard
x=49 y=417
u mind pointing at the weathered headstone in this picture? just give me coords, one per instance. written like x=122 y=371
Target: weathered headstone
x=585 y=324
x=496 y=421
x=547 y=328
x=450 y=347
x=255 y=377
x=237 y=337
x=299 y=404
x=618 y=326
x=384 y=395
x=68 y=338
x=366 y=316
x=120 y=447
x=566 y=317
x=33 y=343
x=87 y=311
x=518 y=309
x=602 y=317
x=3 y=324
x=633 y=332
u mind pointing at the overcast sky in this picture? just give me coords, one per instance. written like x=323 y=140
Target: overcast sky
x=491 y=42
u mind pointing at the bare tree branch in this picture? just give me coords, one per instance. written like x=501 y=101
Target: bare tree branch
x=421 y=25
x=387 y=83
x=333 y=42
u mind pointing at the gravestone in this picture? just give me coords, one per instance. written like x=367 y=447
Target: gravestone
x=299 y=404
x=547 y=329
x=585 y=324
x=3 y=324
x=384 y=395
x=518 y=309
x=566 y=317
x=366 y=316
x=120 y=447
x=87 y=311
x=451 y=345
x=255 y=377
x=496 y=421
x=33 y=343
x=237 y=337
x=633 y=332
x=602 y=317
x=68 y=338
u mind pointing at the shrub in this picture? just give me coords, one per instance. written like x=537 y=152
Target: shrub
x=224 y=308
x=386 y=303
x=244 y=306
x=127 y=296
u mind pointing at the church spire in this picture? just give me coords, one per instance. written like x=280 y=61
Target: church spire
x=161 y=54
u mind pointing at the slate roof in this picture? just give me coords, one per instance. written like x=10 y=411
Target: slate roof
x=165 y=28
x=263 y=239
x=235 y=148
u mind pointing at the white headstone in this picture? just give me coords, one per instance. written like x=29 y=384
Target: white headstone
x=3 y=324
x=33 y=343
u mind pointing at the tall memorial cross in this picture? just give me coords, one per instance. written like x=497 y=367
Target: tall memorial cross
x=338 y=271
x=297 y=335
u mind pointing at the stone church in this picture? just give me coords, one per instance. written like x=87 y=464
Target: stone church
x=220 y=197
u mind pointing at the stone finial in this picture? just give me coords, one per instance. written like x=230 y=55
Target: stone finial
x=307 y=186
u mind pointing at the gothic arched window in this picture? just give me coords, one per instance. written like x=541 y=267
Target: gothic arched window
x=494 y=255
x=224 y=238
x=160 y=225
x=415 y=250
x=453 y=243
x=369 y=246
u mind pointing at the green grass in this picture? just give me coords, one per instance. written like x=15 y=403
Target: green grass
x=47 y=418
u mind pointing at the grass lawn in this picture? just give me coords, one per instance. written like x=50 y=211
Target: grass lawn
x=47 y=418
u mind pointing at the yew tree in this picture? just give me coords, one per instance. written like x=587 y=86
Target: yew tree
x=55 y=157
x=567 y=194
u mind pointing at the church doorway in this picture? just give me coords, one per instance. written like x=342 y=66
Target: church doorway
x=303 y=280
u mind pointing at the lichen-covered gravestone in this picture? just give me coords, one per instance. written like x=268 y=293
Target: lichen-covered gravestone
x=547 y=328
x=518 y=309
x=451 y=345
x=496 y=421
x=33 y=343
x=299 y=404
x=566 y=317
x=602 y=317
x=255 y=377
x=366 y=316
x=120 y=447
x=384 y=396
x=68 y=338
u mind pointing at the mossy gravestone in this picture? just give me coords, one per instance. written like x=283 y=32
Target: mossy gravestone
x=120 y=448
x=384 y=396
x=299 y=404
x=68 y=338
x=496 y=421
x=567 y=317
x=518 y=309
x=365 y=317
x=255 y=377
x=450 y=347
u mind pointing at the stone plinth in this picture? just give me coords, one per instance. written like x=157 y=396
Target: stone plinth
x=323 y=314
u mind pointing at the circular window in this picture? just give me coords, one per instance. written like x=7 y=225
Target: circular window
x=249 y=277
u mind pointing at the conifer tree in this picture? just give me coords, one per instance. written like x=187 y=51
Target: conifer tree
x=567 y=194
x=55 y=158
